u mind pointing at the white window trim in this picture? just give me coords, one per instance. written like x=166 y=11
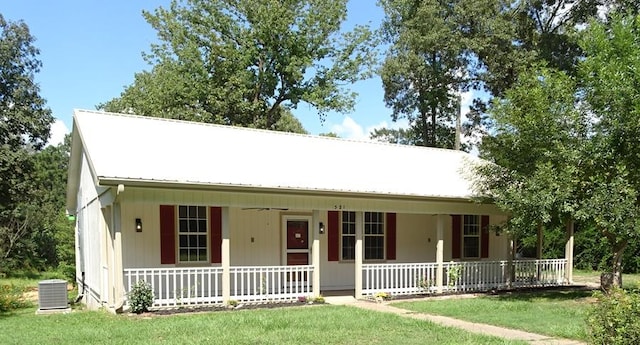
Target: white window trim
x=478 y=236
x=364 y=236
x=206 y=233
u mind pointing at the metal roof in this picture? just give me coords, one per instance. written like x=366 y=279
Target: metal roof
x=123 y=147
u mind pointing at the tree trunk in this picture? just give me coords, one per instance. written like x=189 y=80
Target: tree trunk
x=618 y=250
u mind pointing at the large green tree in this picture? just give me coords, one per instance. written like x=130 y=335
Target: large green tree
x=247 y=62
x=536 y=150
x=24 y=129
x=610 y=77
x=566 y=147
x=425 y=66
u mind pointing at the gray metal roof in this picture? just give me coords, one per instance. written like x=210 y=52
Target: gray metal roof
x=135 y=148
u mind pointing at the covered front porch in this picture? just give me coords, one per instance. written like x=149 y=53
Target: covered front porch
x=253 y=283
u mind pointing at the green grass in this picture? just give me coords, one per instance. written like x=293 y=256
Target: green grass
x=554 y=313
x=629 y=281
x=292 y=325
x=29 y=280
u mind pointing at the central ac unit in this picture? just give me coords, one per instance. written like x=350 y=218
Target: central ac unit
x=52 y=294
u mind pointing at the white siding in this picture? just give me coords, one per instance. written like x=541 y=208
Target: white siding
x=90 y=236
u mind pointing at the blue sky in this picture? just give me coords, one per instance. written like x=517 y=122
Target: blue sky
x=91 y=50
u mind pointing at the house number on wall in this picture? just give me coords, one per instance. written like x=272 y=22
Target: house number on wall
x=339 y=207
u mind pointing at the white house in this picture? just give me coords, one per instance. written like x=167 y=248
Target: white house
x=209 y=214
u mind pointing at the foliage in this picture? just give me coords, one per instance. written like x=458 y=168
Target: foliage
x=614 y=319
x=24 y=130
x=536 y=151
x=141 y=297
x=425 y=66
x=610 y=75
x=11 y=298
x=248 y=62
x=566 y=149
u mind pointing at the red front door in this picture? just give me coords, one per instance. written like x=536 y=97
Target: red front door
x=297 y=242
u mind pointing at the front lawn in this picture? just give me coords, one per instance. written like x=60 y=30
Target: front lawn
x=291 y=325
x=554 y=313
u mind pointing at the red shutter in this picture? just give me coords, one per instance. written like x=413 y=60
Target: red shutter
x=333 y=236
x=456 y=235
x=167 y=234
x=484 y=237
x=216 y=234
x=391 y=236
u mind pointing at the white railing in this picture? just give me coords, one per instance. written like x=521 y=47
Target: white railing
x=402 y=279
x=179 y=286
x=475 y=275
x=420 y=278
x=203 y=285
x=531 y=273
x=269 y=283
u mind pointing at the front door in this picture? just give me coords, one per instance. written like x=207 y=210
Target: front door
x=296 y=240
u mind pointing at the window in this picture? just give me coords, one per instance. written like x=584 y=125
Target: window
x=192 y=233
x=471 y=236
x=373 y=235
x=348 y=235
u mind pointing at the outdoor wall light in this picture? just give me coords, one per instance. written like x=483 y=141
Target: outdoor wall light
x=321 y=227
x=138 y=225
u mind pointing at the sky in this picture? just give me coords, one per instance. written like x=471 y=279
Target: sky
x=91 y=50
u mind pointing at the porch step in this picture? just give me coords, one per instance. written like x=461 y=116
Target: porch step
x=339 y=300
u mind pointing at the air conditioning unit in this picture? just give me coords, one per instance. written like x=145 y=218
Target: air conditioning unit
x=52 y=294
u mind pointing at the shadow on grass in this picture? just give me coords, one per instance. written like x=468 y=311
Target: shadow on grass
x=564 y=294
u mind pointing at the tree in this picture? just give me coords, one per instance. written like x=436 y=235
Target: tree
x=567 y=149
x=516 y=35
x=403 y=136
x=536 y=151
x=610 y=77
x=425 y=66
x=247 y=62
x=24 y=129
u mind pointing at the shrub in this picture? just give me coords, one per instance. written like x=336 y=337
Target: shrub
x=11 y=298
x=614 y=319
x=141 y=297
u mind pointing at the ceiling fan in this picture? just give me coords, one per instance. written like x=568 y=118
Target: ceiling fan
x=265 y=208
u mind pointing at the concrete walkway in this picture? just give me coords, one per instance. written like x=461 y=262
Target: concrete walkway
x=532 y=338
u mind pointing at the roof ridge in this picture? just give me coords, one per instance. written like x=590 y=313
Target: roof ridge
x=273 y=132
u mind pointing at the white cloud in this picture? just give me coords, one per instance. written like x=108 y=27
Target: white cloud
x=58 y=131
x=350 y=129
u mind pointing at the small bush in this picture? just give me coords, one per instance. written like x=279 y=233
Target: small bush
x=68 y=272
x=11 y=298
x=615 y=318
x=141 y=297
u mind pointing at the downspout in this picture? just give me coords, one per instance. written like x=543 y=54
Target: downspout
x=118 y=302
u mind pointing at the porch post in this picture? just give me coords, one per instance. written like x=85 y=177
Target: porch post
x=568 y=253
x=510 y=267
x=226 y=258
x=118 y=281
x=315 y=252
x=359 y=253
x=439 y=251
